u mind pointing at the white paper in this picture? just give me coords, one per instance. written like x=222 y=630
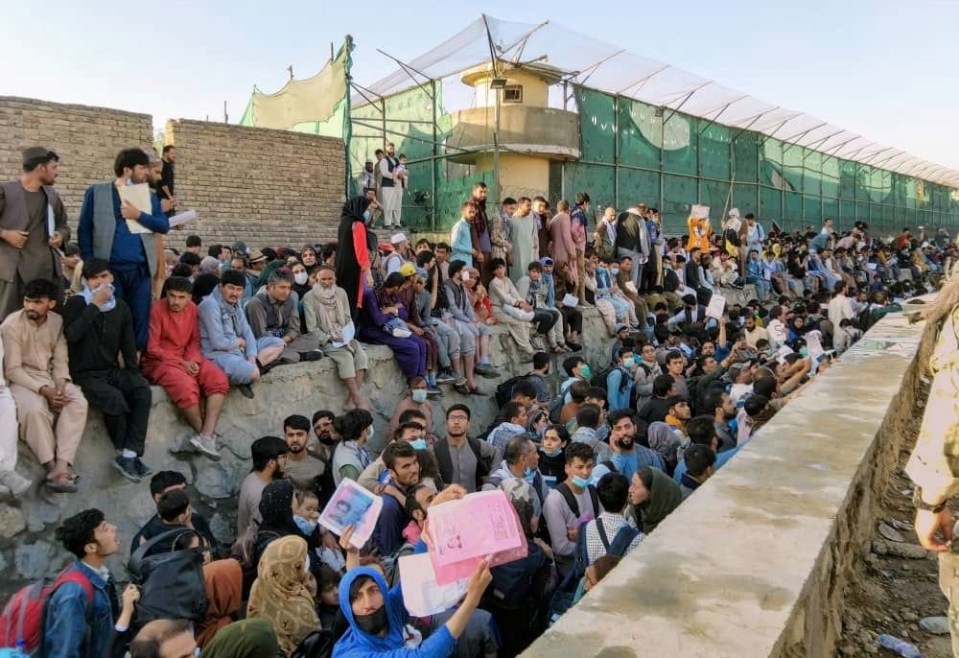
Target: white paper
x=699 y=212
x=783 y=352
x=813 y=345
x=716 y=306
x=348 y=333
x=353 y=505
x=51 y=222
x=570 y=301
x=184 y=217
x=139 y=197
x=423 y=596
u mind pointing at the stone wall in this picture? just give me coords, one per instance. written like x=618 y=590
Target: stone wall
x=87 y=139
x=266 y=187
x=27 y=547
x=755 y=563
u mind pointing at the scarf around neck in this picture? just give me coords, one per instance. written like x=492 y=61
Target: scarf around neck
x=108 y=305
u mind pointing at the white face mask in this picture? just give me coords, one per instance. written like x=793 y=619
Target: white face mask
x=300 y=278
x=465 y=276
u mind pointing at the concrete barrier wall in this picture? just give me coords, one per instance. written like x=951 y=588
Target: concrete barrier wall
x=28 y=550
x=754 y=564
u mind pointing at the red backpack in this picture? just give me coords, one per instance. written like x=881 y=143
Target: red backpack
x=23 y=617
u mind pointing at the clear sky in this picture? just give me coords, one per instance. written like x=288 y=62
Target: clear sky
x=883 y=68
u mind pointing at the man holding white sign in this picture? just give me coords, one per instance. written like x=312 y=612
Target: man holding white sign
x=117 y=222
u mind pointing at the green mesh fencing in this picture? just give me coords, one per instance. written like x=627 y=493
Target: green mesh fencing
x=633 y=152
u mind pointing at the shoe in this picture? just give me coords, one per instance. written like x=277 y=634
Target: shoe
x=445 y=378
x=16 y=483
x=142 y=469
x=574 y=347
x=312 y=355
x=127 y=468
x=488 y=371
x=61 y=486
x=433 y=392
x=247 y=391
x=462 y=389
x=206 y=445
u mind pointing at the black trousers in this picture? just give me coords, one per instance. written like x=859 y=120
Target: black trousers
x=124 y=398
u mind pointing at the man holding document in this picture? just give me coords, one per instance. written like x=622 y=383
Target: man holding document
x=118 y=220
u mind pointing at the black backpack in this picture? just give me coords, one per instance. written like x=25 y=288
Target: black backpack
x=504 y=391
x=600 y=379
x=556 y=406
x=318 y=644
x=171 y=584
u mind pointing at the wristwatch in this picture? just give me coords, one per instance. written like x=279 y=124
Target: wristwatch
x=923 y=505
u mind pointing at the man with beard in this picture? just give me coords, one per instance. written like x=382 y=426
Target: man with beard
x=304 y=465
x=35 y=367
x=391 y=190
x=718 y=402
x=168 y=206
x=628 y=457
x=327 y=438
x=270 y=455
x=33 y=224
x=173 y=360
x=403 y=468
x=479 y=231
x=103 y=232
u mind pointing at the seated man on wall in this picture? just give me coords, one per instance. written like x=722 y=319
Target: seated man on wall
x=99 y=331
x=226 y=337
x=173 y=360
x=274 y=312
x=35 y=365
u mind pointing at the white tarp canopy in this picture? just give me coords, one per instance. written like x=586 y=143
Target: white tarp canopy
x=597 y=65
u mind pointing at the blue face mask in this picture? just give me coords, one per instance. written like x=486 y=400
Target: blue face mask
x=529 y=474
x=418 y=395
x=306 y=526
x=541 y=431
x=582 y=483
x=552 y=453
x=418 y=444
x=366 y=216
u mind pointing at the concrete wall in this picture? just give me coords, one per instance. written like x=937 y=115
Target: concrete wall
x=28 y=550
x=755 y=563
x=87 y=139
x=266 y=187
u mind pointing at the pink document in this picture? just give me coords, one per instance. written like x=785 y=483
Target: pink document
x=464 y=532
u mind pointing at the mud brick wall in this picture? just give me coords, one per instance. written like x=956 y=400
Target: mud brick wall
x=265 y=187
x=87 y=139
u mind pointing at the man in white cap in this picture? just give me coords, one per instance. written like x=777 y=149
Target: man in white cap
x=401 y=253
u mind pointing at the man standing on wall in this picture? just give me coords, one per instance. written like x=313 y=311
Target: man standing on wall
x=480 y=231
x=391 y=190
x=33 y=224
x=166 y=179
x=103 y=232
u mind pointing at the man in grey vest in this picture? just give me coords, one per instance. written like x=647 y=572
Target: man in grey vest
x=105 y=232
x=33 y=225
x=391 y=190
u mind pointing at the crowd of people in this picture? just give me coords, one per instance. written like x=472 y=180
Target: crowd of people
x=591 y=466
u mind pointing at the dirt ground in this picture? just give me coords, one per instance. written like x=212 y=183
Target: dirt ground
x=891 y=594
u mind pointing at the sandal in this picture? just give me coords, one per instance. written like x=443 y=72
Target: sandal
x=462 y=389
x=61 y=484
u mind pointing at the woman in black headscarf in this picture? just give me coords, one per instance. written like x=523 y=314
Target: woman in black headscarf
x=353 y=264
x=276 y=513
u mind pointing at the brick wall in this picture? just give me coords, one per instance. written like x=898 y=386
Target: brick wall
x=87 y=139
x=265 y=187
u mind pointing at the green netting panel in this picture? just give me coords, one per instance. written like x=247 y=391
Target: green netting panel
x=713 y=194
x=636 y=186
x=848 y=174
x=597 y=180
x=640 y=134
x=745 y=152
x=714 y=152
x=812 y=209
x=679 y=145
x=679 y=193
x=847 y=213
x=812 y=172
x=830 y=177
x=792 y=169
x=862 y=211
x=794 y=217
x=744 y=198
x=771 y=204
x=830 y=208
x=597 y=126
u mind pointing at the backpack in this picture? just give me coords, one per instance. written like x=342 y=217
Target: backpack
x=621 y=541
x=24 y=616
x=318 y=644
x=600 y=379
x=171 y=584
x=556 y=406
x=504 y=391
